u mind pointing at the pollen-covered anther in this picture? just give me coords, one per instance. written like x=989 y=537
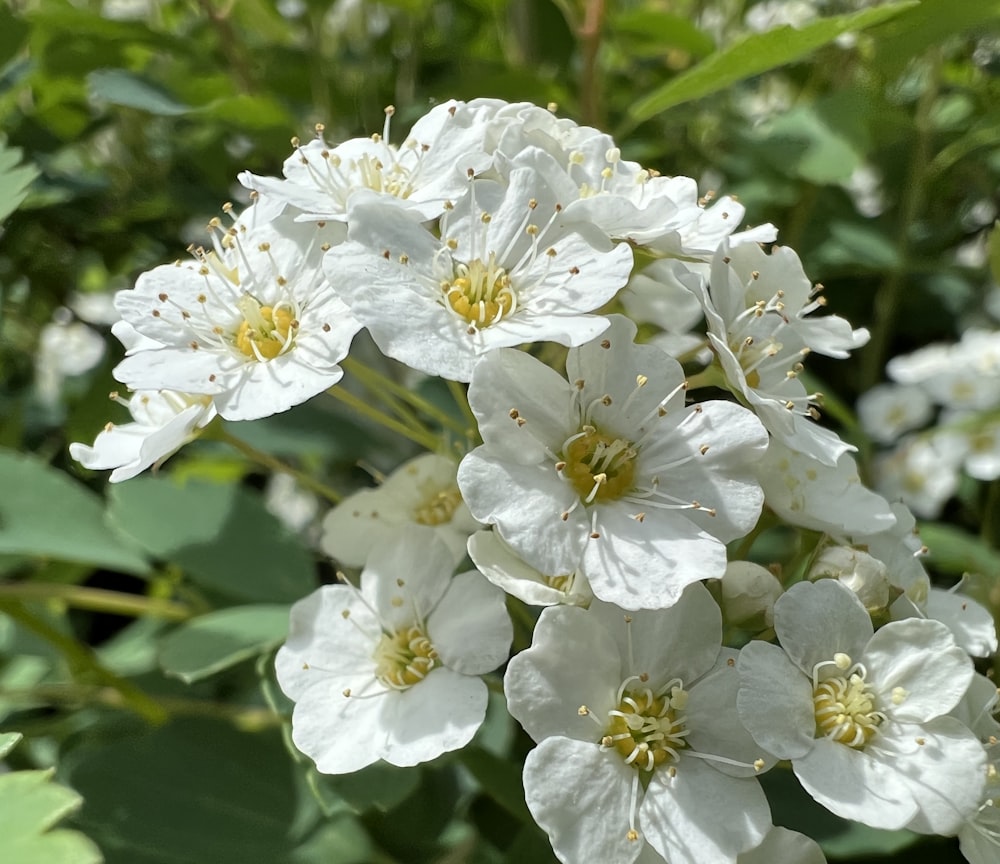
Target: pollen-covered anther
x=481 y=292
x=404 y=658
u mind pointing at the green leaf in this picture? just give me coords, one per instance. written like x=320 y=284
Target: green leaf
x=47 y=514
x=755 y=54
x=121 y=87
x=30 y=804
x=192 y=791
x=213 y=642
x=8 y=741
x=221 y=535
x=954 y=551
x=500 y=779
x=15 y=179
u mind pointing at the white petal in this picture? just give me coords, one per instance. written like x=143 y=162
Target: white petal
x=922 y=658
x=544 y=692
x=815 y=620
x=580 y=797
x=782 y=846
x=970 y=623
x=470 y=627
x=702 y=815
x=775 y=701
x=856 y=785
x=435 y=716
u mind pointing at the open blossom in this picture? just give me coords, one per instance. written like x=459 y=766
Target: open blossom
x=163 y=422
x=622 y=198
x=391 y=670
x=756 y=305
x=252 y=322
x=638 y=739
x=610 y=473
x=420 y=175
x=422 y=492
x=862 y=716
x=979 y=837
x=508 y=268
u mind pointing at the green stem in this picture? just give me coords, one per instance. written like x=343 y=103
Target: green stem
x=425 y=439
x=589 y=36
x=81 y=661
x=96 y=600
x=461 y=397
x=275 y=464
x=370 y=378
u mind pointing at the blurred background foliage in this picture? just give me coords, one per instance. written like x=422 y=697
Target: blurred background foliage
x=137 y=621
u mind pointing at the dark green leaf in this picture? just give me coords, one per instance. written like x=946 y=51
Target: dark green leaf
x=15 y=178
x=954 y=551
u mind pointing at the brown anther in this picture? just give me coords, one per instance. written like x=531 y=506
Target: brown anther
x=703 y=449
x=326 y=328
x=560 y=465
x=605 y=344
x=639 y=517
x=212 y=377
x=162 y=297
x=594 y=535
x=386 y=254
x=194 y=346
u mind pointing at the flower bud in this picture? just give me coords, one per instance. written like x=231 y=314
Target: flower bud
x=864 y=575
x=748 y=595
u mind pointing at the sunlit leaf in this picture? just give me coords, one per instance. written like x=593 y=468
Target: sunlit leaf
x=751 y=55
x=15 y=178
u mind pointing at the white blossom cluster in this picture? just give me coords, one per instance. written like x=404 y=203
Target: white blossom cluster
x=955 y=390
x=598 y=484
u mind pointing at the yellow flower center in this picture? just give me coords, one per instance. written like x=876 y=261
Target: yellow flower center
x=265 y=331
x=480 y=292
x=601 y=468
x=439 y=507
x=404 y=658
x=845 y=711
x=647 y=730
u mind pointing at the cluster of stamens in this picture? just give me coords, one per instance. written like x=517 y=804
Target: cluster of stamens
x=439 y=507
x=265 y=331
x=599 y=466
x=844 y=705
x=647 y=729
x=404 y=658
x=480 y=292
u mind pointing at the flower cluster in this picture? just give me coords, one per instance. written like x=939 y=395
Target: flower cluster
x=616 y=475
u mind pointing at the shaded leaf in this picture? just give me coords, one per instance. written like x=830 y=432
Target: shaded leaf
x=221 y=535
x=121 y=87
x=954 y=551
x=210 y=643
x=15 y=178
x=46 y=514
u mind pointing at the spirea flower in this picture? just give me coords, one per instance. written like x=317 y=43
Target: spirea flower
x=862 y=716
x=251 y=322
x=507 y=269
x=422 y=492
x=390 y=671
x=638 y=740
x=979 y=837
x=420 y=175
x=757 y=307
x=621 y=197
x=163 y=422
x=610 y=473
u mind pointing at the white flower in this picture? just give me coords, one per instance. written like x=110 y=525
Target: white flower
x=164 y=422
x=963 y=376
x=979 y=838
x=756 y=306
x=888 y=410
x=507 y=269
x=782 y=846
x=861 y=716
x=658 y=296
x=422 y=492
x=65 y=348
x=637 y=738
x=922 y=471
x=621 y=197
x=500 y=564
x=611 y=475
x=390 y=671
x=428 y=169
x=865 y=575
x=820 y=497
x=252 y=323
